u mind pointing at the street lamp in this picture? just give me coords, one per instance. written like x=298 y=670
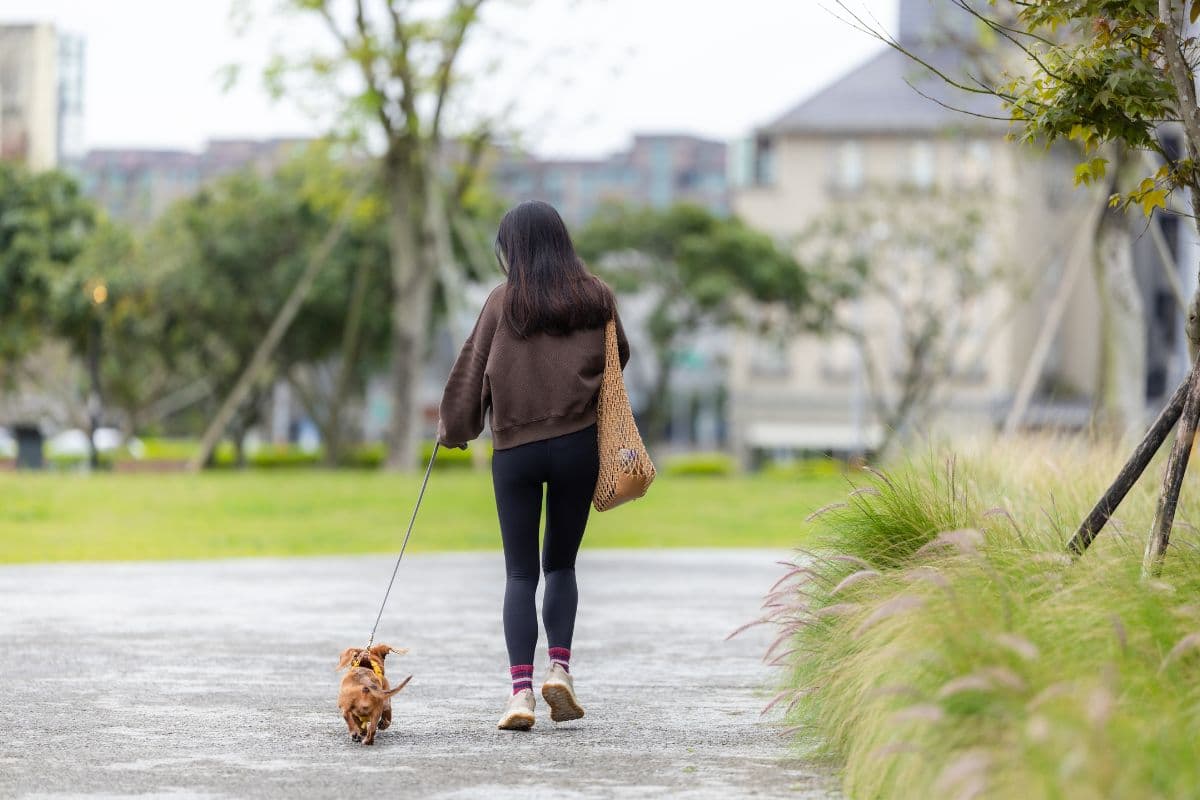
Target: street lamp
x=97 y=292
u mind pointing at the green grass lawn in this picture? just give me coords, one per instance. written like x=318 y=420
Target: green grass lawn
x=124 y=517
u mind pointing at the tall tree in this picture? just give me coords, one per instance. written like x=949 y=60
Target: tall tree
x=103 y=306
x=697 y=267
x=404 y=61
x=44 y=225
x=1107 y=238
x=230 y=257
x=911 y=265
x=1125 y=76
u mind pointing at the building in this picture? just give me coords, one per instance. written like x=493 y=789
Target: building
x=41 y=96
x=70 y=100
x=657 y=171
x=867 y=133
x=135 y=186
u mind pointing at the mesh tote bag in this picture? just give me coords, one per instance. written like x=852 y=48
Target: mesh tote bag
x=625 y=467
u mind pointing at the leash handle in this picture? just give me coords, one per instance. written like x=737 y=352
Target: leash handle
x=433 y=457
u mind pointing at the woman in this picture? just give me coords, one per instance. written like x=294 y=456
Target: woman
x=534 y=361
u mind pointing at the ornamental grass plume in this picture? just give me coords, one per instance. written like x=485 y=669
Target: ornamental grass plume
x=936 y=640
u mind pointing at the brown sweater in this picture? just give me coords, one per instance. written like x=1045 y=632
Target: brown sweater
x=535 y=388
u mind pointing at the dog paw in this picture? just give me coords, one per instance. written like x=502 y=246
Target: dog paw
x=354 y=737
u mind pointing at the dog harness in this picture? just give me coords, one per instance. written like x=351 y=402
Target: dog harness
x=378 y=670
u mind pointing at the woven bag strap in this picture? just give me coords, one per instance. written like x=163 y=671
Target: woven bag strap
x=612 y=355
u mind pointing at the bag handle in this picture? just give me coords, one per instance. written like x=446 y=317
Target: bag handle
x=612 y=354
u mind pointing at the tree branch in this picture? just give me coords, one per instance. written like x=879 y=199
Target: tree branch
x=1185 y=88
x=895 y=45
x=1004 y=31
x=362 y=57
x=956 y=109
x=476 y=144
x=461 y=18
x=401 y=69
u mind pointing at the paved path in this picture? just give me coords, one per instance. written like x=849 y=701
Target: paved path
x=215 y=679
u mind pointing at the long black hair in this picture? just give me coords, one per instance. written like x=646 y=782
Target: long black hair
x=549 y=287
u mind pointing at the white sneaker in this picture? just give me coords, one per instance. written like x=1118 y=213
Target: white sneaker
x=558 y=690
x=518 y=716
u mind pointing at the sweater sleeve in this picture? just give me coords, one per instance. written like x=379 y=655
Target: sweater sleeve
x=467 y=395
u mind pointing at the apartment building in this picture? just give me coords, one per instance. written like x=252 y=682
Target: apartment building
x=868 y=134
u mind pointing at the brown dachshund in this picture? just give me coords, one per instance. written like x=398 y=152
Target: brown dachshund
x=365 y=698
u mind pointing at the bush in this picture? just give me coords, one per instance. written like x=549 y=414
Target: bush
x=700 y=464
x=804 y=469
x=943 y=644
x=164 y=449
x=451 y=458
x=281 y=457
x=367 y=456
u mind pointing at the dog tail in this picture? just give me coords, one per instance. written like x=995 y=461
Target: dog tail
x=396 y=689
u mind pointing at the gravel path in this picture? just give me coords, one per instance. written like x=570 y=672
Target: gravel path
x=216 y=679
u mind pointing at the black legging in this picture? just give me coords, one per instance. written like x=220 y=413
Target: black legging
x=568 y=465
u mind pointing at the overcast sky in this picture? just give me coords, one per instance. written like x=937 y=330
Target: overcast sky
x=583 y=75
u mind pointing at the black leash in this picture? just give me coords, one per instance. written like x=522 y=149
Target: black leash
x=408 y=533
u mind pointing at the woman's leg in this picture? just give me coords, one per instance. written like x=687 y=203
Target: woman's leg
x=574 y=467
x=517 y=475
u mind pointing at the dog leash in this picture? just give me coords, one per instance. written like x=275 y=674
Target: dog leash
x=408 y=533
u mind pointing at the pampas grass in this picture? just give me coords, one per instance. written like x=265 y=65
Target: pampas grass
x=942 y=644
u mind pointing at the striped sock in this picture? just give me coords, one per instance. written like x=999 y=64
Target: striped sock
x=562 y=657
x=522 y=677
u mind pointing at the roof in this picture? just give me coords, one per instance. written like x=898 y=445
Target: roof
x=874 y=98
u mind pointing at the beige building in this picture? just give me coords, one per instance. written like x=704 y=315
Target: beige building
x=29 y=95
x=863 y=137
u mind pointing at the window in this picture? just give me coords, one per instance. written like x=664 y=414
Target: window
x=922 y=165
x=839 y=359
x=770 y=356
x=848 y=167
x=764 y=162
x=976 y=164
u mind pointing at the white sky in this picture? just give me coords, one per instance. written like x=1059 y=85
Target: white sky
x=583 y=74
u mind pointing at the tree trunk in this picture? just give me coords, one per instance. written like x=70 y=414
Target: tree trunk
x=351 y=339
x=1121 y=380
x=658 y=408
x=412 y=281
x=94 y=403
x=279 y=326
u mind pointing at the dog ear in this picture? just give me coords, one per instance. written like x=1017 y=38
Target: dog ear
x=347 y=656
x=382 y=650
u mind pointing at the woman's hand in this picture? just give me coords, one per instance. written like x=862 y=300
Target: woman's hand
x=441 y=438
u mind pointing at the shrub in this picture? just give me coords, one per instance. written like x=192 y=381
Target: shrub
x=944 y=645
x=163 y=449
x=700 y=464
x=367 y=456
x=804 y=469
x=451 y=458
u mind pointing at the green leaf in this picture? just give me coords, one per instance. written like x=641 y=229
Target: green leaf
x=1090 y=171
x=1153 y=200
x=1083 y=174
